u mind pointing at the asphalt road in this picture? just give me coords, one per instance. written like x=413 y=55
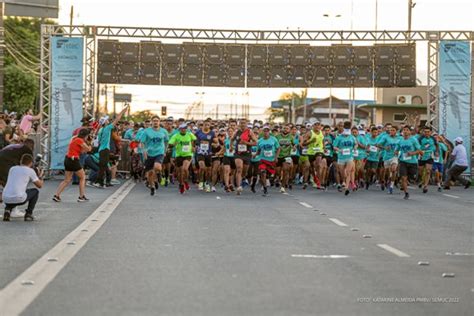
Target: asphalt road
x=302 y=253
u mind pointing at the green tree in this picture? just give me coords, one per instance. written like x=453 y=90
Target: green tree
x=141 y=116
x=22 y=62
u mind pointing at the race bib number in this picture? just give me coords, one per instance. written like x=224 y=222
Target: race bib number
x=326 y=152
x=346 y=151
x=355 y=153
x=268 y=153
x=186 y=148
x=406 y=156
x=204 y=147
x=317 y=149
x=305 y=151
x=242 y=147
x=373 y=149
x=288 y=160
x=294 y=152
x=436 y=159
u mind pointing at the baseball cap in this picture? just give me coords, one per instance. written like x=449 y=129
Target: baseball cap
x=103 y=119
x=184 y=125
x=458 y=140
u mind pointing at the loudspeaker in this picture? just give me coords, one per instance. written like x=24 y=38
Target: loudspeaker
x=235 y=54
x=342 y=76
x=363 y=76
x=150 y=73
x=214 y=54
x=405 y=55
x=342 y=55
x=150 y=52
x=299 y=55
x=192 y=54
x=129 y=52
x=257 y=55
x=383 y=76
x=171 y=74
x=257 y=76
x=278 y=55
x=321 y=77
x=299 y=77
x=214 y=76
x=107 y=72
x=235 y=76
x=278 y=76
x=192 y=75
x=405 y=76
x=107 y=51
x=320 y=55
x=383 y=55
x=363 y=55
x=128 y=73
x=171 y=53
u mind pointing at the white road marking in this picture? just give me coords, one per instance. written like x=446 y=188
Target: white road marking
x=338 y=222
x=305 y=204
x=459 y=254
x=451 y=196
x=321 y=256
x=22 y=291
x=395 y=251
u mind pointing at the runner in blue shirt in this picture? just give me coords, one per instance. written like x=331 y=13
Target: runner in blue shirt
x=153 y=141
x=390 y=160
x=268 y=148
x=438 y=165
x=344 y=146
x=205 y=138
x=430 y=149
x=360 y=155
x=373 y=156
x=408 y=149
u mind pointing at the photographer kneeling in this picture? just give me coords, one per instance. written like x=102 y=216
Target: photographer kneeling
x=16 y=192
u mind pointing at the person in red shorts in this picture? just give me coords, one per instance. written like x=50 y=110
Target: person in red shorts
x=268 y=148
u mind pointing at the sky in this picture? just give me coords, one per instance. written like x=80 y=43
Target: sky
x=259 y=15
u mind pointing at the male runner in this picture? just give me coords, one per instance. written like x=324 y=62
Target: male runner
x=408 y=148
x=184 y=142
x=268 y=149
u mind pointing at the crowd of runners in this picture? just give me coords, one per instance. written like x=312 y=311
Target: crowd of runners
x=234 y=154
x=231 y=155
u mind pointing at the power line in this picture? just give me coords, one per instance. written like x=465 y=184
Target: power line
x=20 y=64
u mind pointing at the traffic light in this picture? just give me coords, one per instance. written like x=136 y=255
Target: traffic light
x=163 y=111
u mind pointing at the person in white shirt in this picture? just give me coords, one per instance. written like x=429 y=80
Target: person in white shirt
x=16 y=192
x=460 y=164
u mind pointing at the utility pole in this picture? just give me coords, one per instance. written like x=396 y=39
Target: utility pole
x=411 y=5
x=71 y=20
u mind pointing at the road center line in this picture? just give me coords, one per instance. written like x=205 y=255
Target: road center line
x=305 y=204
x=451 y=196
x=395 y=251
x=320 y=256
x=22 y=291
x=338 y=222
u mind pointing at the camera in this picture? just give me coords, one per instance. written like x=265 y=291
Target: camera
x=36 y=164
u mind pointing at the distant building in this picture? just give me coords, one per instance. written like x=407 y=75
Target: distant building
x=398 y=105
x=332 y=110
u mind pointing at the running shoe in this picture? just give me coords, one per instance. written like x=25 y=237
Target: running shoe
x=346 y=193
x=163 y=182
x=181 y=189
x=156 y=186
x=305 y=185
x=97 y=185
x=6 y=216
x=208 y=188
x=186 y=185
x=282 y=190
x=90 y=184
x=29 y=217
x=82 y=199
x=440 y=189
x=115 y=181
x=425 y=190
x=16 y=213
x=239 y=190
x=213 y=189
x=407 y=196
x=201 y=186
x=56 y=198
x=252 y=188
x=265 y=191
x=152 y=191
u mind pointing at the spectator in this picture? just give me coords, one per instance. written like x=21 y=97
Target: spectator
x=10 y=156
x=16 y=192
x=27 y=121
x=460 y=164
